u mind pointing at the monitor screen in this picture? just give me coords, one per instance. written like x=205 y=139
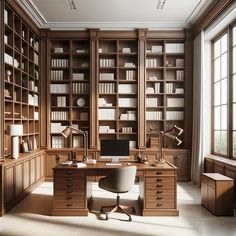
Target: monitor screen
x=113 y=148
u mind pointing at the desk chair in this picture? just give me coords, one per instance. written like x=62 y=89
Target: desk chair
x=119 y=181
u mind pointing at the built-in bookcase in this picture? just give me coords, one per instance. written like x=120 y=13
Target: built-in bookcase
x=21 y=79
x=118 y=90
x=69 y=90
x=165 y=87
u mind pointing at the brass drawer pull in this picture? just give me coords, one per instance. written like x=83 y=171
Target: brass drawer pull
x=69 y=185
x=159 y=179
x=69 y=191
x=69 y=198
x=159 y=204
x=159 y=173
x=69 y=204
x=159 y=198
x=159 y=191
x=69 y=172
x=159 y=185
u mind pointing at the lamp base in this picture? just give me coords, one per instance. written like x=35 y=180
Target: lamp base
x=159 y=162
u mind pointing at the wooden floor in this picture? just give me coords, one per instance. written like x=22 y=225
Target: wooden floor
x=32 y=217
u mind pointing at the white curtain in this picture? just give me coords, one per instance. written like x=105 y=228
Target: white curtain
x=198 y=107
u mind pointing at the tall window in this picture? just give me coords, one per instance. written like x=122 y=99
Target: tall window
x=224 y=93
x=234 y=91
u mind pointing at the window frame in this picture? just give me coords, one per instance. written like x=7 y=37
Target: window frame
x=229 y=31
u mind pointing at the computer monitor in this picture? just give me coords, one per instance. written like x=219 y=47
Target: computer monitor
x=114 y=149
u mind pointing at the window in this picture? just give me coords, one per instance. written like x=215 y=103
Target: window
x=224 y=93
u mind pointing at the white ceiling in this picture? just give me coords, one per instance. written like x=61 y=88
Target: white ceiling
x=115 y=14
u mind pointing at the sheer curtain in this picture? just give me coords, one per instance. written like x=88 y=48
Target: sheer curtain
x=198 y=97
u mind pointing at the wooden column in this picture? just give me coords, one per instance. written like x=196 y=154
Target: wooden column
x=141 y=88
x=93 y=137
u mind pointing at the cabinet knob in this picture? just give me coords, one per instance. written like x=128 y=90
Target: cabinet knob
x=159 y=185
x=159 y=191
x=159 y=179
x=159 y=197
x=69 y=204
x=159 y=204
x=69 y=198
x=159 y=172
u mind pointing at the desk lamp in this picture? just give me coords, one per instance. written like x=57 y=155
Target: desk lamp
x=67 y=132
x=15 y=131
x=172 y=133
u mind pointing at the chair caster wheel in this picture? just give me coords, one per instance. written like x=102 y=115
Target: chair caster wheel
x=101 y=211
x=130 y=219
x=107 y=217
x=134 y=211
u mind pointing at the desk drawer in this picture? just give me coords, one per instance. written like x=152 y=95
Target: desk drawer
x=74 y=186
x=69 y=198
x=69 y=205
x=161 y=205
x=160 y=198
x=158 y=192
x=160 y=179
x=159 y=186
x=64 y=181
x=159 y=173
x=68 y=173
x=69 y=192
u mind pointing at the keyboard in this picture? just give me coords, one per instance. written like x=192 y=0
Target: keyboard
x=113 y=164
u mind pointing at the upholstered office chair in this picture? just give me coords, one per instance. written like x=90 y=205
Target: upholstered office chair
x=119 y=181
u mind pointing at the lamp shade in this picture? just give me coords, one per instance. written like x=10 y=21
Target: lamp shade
x=66 y=132
x=15 y=130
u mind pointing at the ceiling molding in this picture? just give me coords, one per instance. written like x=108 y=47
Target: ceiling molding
x=33 y=12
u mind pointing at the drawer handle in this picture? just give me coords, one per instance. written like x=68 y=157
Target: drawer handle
x=69 y=179
x=159 y=185
x=159 y=204
x=69 y=204
x=159 y=191
x=69 y=198
x=69 y=172
x=69 y=191
x=159 y=173
x=69 y=185
x=159 y=179
x=159 y=198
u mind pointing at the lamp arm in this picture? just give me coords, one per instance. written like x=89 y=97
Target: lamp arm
x=78 y=130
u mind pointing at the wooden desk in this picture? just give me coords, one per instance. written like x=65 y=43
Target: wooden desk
x=73 y=191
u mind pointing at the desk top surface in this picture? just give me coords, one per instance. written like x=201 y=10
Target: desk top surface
x=102 y=165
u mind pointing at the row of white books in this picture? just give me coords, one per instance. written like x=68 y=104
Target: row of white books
x=151 y=102
x=9 y=60
x=59 y=115
x=126 y=50
x=179 y=75
x=155 y=49
x=129 y=64
x=127 y=130
x=129 y=115
x=59 y=88
x=130 y=75
x=174 y=48
x=58 y=142
x=107 y=62
x=61 y=101
x=105 y=129
x=32 y=86
x=36 y=115
x=33 y=99
x=127 y=102
x=153 y=90
x=80 y=88
x=103 y=103
x=170 y=89
x=106 y=88
x=58 y=50
x=57 y=127
x=77 y=141
x=57 y=75
x=152 y=78
x=153 y=62
x=60 y=63
x=154 y=115
x=175 y=102
x=127 y=88
x=36 y=58
x=107 y=76
x=106 y=114
x=174 y=115
x=78 y=76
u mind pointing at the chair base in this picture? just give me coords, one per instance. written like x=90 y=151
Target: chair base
x=118 y=207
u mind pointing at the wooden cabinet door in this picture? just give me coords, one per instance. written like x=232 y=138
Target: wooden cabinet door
x=211 y=199
x=204 y=194
x=9 y=184
x=208 y=166
x=26 y=175
x=42 y=163
x=38 y=167
x=19 y=178
x=219 y=168
x=32 y=170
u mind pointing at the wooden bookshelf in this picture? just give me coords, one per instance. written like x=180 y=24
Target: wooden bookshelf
x=69 y=90
x=21 y=79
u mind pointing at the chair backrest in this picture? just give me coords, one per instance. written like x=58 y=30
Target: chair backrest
x=120 y=180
